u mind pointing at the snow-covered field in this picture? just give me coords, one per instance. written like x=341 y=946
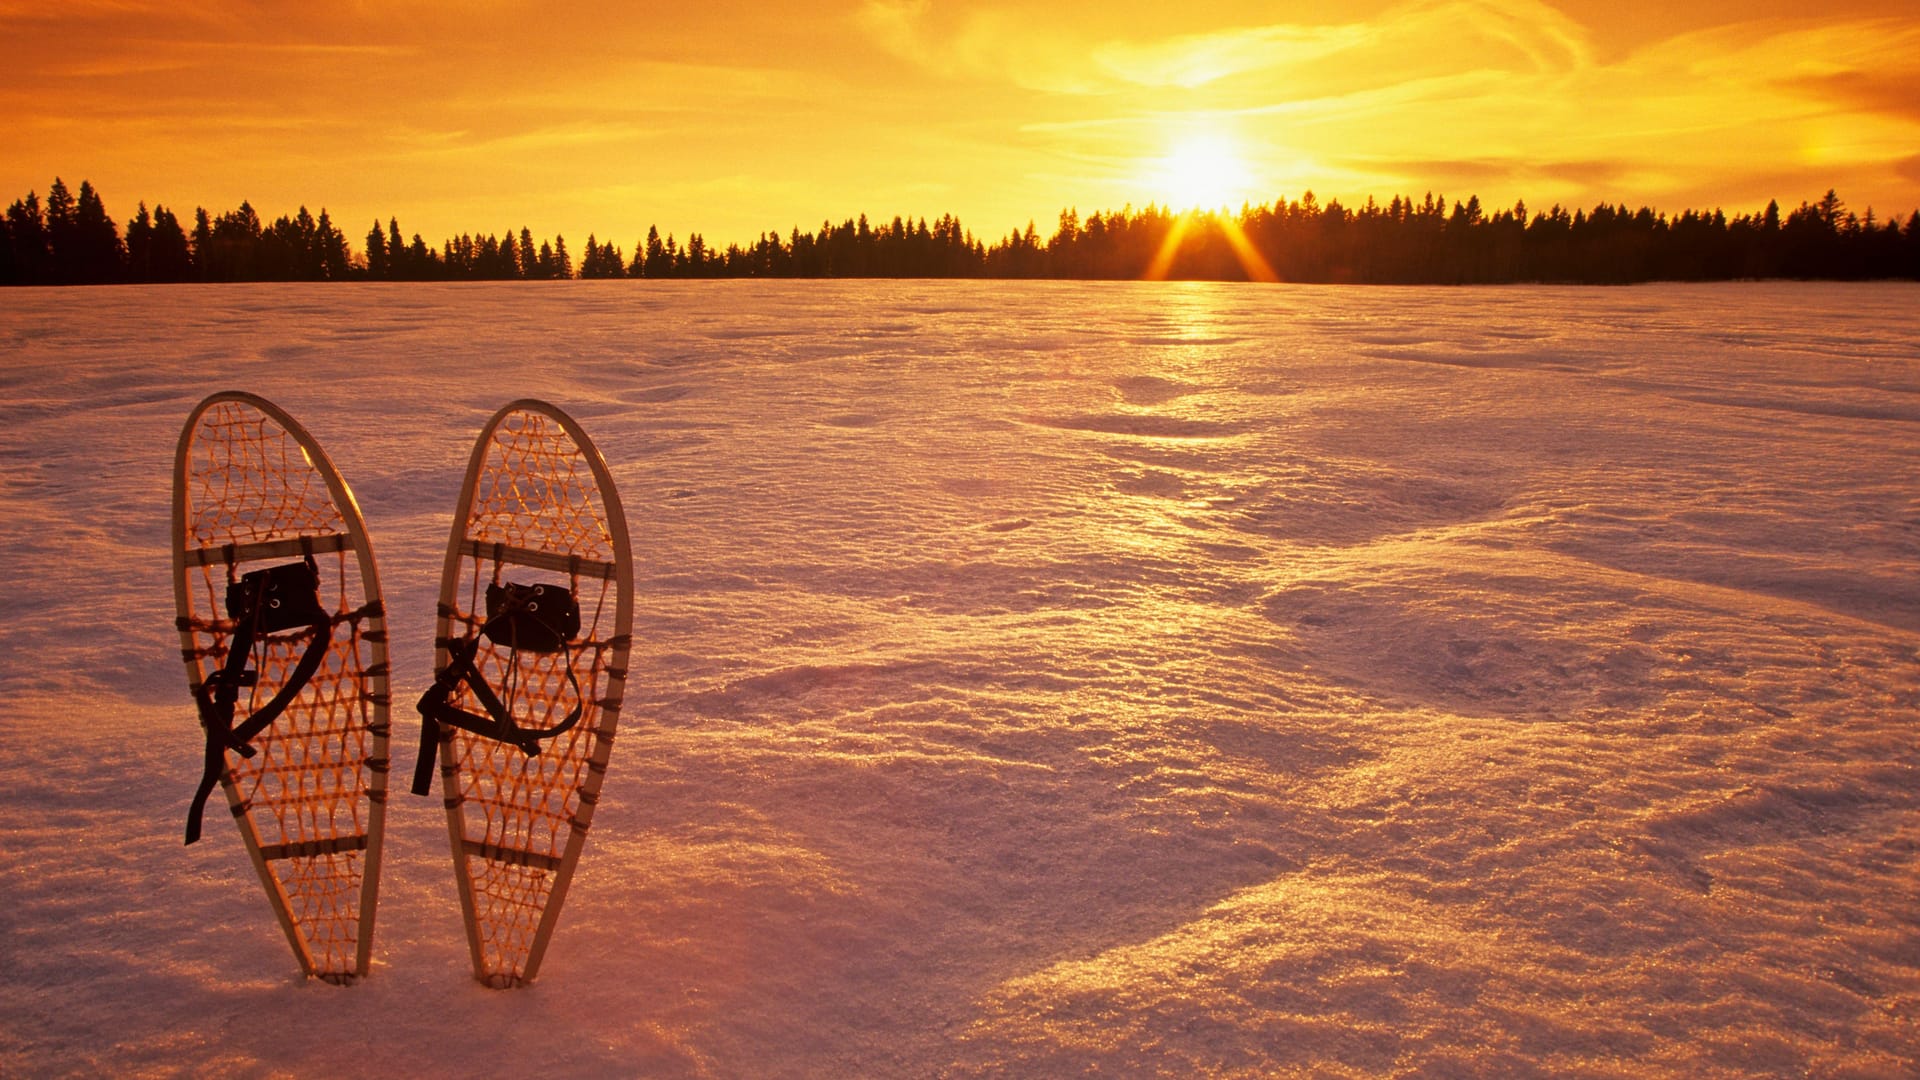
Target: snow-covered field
x=1041 y=680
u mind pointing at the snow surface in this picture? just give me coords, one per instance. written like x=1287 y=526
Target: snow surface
x=1043 y=679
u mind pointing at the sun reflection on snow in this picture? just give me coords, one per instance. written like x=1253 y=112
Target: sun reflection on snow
x=1195 y=316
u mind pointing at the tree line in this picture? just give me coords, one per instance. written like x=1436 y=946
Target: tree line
x=70 y=239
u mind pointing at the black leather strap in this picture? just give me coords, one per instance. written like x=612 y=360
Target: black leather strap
x=221 y=692
x=436 y=708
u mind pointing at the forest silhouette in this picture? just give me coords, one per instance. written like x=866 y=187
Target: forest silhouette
x=70 y=239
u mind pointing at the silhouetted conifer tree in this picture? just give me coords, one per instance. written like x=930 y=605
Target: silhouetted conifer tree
x=31 y=257
x=509 y=257
x=657 y=265
x=61 y=241
x=202 y=243
x=139 y=245
x=100 y=257
x=397 y=267
x=335 y=262
x=421 y=264
x=170 y=259
x=378 y=267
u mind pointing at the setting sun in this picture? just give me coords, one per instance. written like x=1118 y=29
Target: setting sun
x=1203 y=172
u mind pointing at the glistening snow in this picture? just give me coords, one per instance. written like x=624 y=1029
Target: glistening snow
x=1043 y=679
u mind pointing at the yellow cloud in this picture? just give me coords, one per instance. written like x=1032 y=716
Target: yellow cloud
x=1513 y=103
x=1196 y=60
x=1037 y=51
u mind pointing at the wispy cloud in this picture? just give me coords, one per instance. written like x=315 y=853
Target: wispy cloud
x=1895 y=94
x=1197 y=60
x=1405 y=42
x=1503 y=94
x=571 y=135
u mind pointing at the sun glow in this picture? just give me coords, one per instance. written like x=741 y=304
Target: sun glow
x=1202 y=177
x=1204 y=172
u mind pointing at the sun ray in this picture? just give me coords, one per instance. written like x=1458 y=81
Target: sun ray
x=1255 y=264
x=1169 y=247
x=1252 y=263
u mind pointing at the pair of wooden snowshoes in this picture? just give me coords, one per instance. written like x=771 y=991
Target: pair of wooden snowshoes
x=287 y=662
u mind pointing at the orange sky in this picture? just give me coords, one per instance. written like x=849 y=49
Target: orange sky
x=734 y=118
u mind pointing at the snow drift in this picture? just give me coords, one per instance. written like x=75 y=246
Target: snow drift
x=1044 y=679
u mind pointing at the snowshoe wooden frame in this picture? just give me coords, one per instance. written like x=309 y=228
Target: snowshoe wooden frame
x=252 y=487
x=538 y=501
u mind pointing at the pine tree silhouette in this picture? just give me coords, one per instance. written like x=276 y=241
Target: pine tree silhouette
x=378 y=268
x=140 y=246
x=73 y=240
